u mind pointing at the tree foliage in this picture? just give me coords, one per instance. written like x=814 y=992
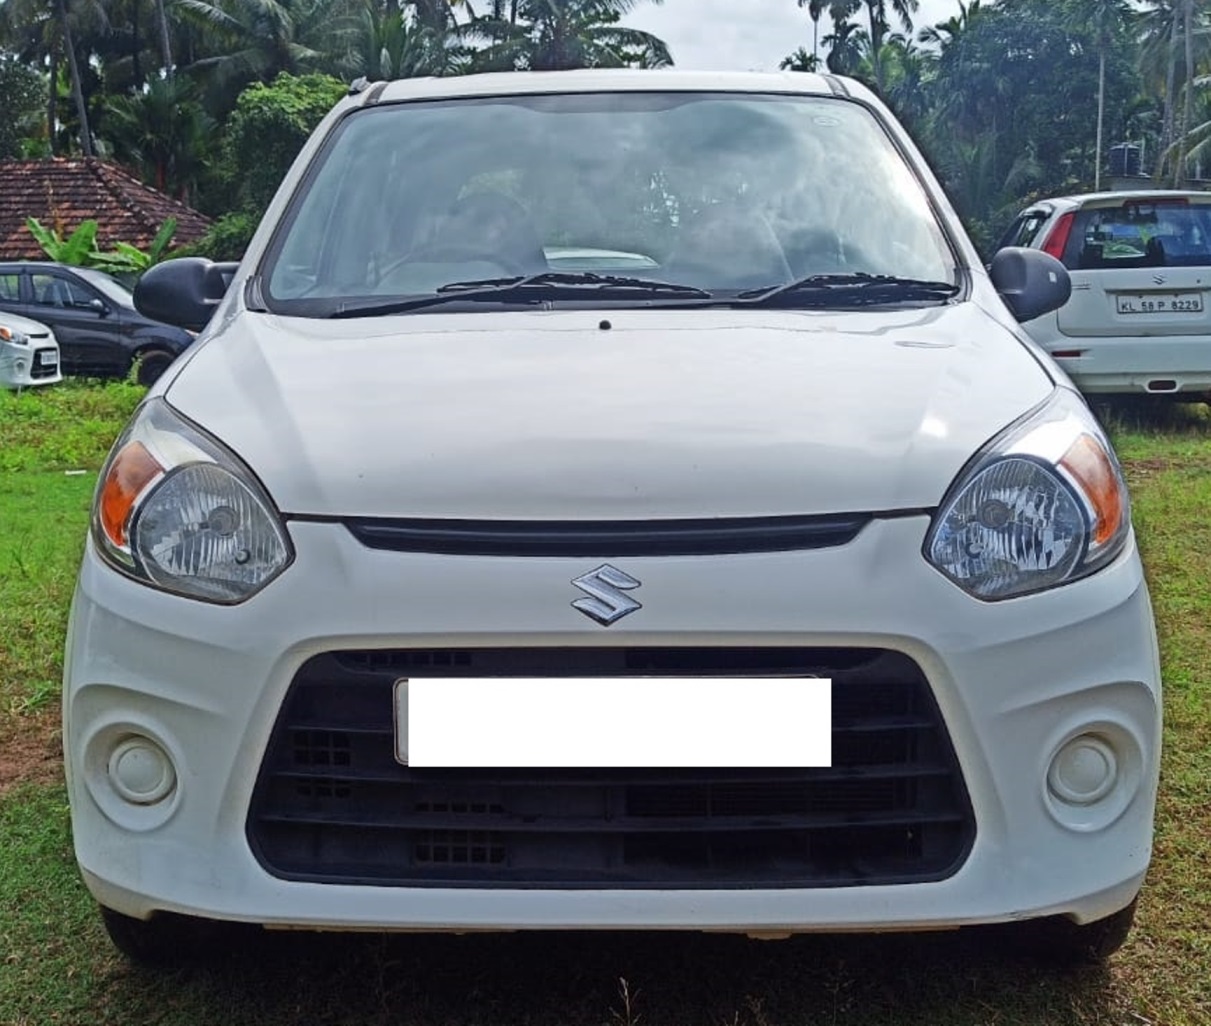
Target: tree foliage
x=189 y=94
x=267 y=130
x=21 y=92
x=210 y=100
x=1006 y=96
x=554 y=35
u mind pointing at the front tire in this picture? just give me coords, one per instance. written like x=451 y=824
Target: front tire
x=167 y=939
x=152 y=363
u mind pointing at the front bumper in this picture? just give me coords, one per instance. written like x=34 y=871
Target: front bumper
x=26 y=366
x=1013 y=681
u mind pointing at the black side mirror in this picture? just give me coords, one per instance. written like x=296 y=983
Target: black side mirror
x=1030 y=281
x=184 y=291
x=98 y=306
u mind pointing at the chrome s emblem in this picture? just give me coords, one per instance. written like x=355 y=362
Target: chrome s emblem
x=606 y=587
x=1159 y=279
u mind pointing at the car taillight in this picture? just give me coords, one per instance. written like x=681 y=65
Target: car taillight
x=1057 y=239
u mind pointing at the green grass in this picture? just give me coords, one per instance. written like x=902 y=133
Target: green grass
x=52 y=442
x=57 y=967
x=45 y=516
x=65 y=427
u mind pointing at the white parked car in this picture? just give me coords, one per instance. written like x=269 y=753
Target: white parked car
x=29 y=354
x=1139 y=318
x=438 y=589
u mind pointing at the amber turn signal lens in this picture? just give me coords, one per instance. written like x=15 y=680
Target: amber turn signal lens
x=132 y=470
x=1089 y=465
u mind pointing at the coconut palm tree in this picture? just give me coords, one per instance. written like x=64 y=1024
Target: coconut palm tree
x=1169 y=60
x=847 y=45
x=947 y=33
x=163 y=131
x=47 y=32
x=395 y=43
x=1179 y=163
x=876 y=12
x=551 y=35
x=815 y=8
x=257 y=39
x=800 y=60
x=1102 y=21
x=165 y=41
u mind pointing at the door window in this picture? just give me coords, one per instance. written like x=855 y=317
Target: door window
x=51 y=290
x=1023 y=230
x=10 y=288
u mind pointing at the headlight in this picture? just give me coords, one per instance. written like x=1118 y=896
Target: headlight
x=178 y=511
x=12 y=335
x=1044 y=503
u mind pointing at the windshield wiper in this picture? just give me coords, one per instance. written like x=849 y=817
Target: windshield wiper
x=534 y=288
x=858 y=289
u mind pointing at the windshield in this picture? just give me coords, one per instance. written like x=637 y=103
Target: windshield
x=725 y=194
x=107 y=286
x=1141 y=233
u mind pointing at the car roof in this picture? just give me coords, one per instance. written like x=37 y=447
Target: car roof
x=610 y=80
x=1120 y=196
x=26 y=265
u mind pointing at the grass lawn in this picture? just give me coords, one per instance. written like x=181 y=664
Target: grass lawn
x=56 y=965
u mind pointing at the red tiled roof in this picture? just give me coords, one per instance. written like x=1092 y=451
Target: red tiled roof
x=61 y=193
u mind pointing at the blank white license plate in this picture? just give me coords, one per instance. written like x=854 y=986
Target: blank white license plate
x=48 y=358
x=1158 y=302
x=614 y=722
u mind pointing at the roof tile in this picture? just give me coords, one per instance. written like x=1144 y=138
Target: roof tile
x=62 y=192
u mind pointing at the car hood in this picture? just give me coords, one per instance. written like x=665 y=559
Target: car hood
x=24 y=325
x=645 y=414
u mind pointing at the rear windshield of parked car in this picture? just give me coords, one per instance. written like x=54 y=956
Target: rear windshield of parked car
x=1140 y=233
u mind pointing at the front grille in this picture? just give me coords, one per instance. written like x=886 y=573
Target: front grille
x=332 y=805
x=39 y=371
x=599 y=538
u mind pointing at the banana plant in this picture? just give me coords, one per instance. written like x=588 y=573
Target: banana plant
x=127 y=260
x=76 y=249
x=80 y=248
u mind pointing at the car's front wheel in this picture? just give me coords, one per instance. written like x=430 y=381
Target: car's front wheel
x=151 y=364
x=167 y=939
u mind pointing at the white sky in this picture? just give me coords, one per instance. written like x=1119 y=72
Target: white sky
x=747 y=35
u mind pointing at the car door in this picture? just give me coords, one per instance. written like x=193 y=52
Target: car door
x=87 y=325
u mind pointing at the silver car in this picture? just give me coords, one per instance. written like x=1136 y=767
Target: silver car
x=29 y=353
x=1139 y=320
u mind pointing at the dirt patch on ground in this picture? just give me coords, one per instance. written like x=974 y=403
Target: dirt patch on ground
x=30 y=750
x=1149 y=467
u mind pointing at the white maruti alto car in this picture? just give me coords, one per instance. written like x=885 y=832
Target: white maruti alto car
x=1139 y=320
x=29 y=353
x=761 y=577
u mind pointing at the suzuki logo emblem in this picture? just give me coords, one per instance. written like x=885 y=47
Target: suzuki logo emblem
x=607 y=602
x=1159 y=279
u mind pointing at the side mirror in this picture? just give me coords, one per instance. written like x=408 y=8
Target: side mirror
x=1030 y=281
x=98 y=306
x=184 y=291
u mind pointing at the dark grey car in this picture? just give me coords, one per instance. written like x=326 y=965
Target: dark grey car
x=99 y=330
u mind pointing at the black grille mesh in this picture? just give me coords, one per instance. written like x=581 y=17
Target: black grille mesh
x=332 y=805
x=39 y=370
